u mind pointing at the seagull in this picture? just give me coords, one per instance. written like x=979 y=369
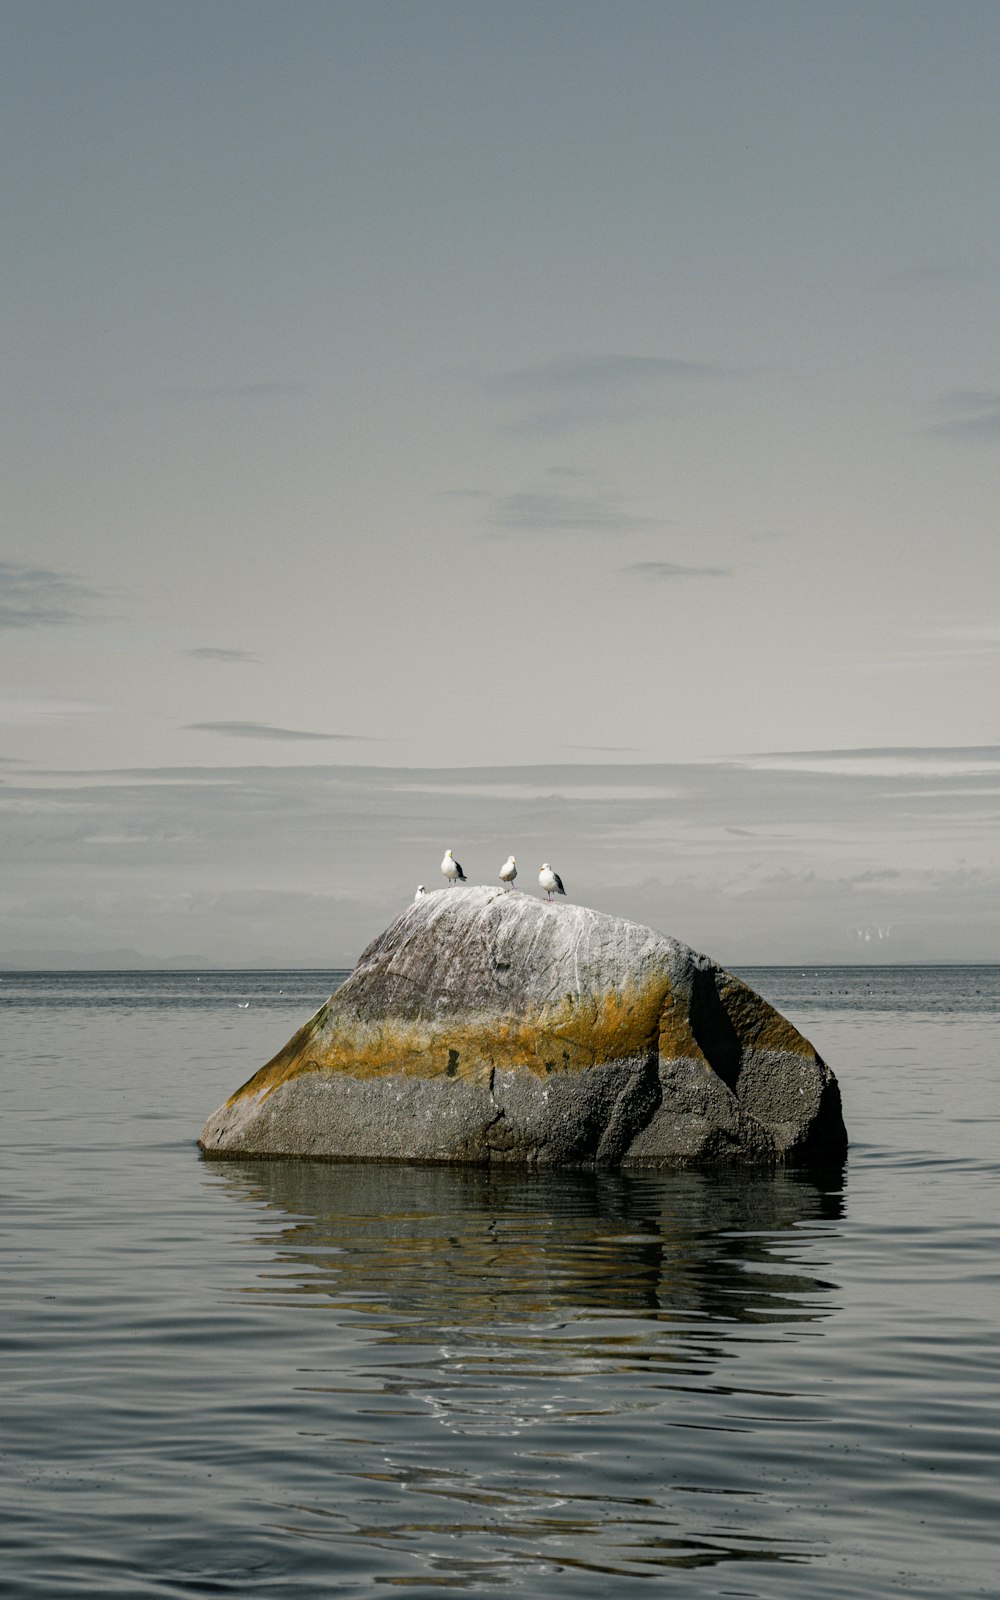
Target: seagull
x=550 y=881
x=508 y=872
x=421 y=893
x=452 y=869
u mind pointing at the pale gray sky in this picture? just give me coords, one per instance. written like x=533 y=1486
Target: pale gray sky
x=392 y=389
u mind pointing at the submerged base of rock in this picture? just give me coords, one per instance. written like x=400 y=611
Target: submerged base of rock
x=487 y=1025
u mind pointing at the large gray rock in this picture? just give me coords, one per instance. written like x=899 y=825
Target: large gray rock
x=486 y=1025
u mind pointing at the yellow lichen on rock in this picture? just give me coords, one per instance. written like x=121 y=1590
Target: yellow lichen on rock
x=676 y=1040
x=572 y=1036
x=757 y=1025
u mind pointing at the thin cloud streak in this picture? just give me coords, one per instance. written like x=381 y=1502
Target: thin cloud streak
x=968 y=632
x=978 y=415
x=264 y=730
x=970 y=399
x=916 y=764
x=588 y=389
x=186 y=393
x=43 y=713
x=665 y=571
x=944 y=274
x=984 y=427
x=930 y=648
x=909 y=752
x=232 y=391
x=38 y=597
x=606 y=372
x=555 y=512
x=211 y=652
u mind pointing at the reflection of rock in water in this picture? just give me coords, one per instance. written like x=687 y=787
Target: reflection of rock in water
x=449 y=1248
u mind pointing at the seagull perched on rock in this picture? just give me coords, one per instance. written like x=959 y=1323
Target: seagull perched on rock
x=452 y=869
x=421 y=893
x=550 y=881
x=508 y=872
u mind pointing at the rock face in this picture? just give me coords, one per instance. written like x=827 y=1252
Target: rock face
x=486 y=1025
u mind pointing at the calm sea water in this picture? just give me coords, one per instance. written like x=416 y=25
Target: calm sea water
x=289 y=1379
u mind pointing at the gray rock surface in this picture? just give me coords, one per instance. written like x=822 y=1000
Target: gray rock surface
x=486 y=1025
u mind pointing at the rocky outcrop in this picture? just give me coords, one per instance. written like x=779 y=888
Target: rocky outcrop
x=485 y=1025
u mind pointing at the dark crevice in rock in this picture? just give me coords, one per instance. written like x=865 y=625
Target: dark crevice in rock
x=714 y=1033
x=633 y=1110
x=499 y=1136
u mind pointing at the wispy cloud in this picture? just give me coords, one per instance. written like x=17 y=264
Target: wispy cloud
x=40 y=713
x=605 y=749
x=944 y=274
x=592 y=371
x=168 y=394
x=666 y=571
x=904 y=761
x=970 y=399
x=211 y=652
x=931 y=647
x=912 y=752
x=980 y=638
x=38 y=597
x=558 y=511
x=971 y=414
x=589 y=389
x=232 y=391
x=263 y=730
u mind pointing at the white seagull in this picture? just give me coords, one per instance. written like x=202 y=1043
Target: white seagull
x=452 y=869
x=550 y=881
x=421 y=893
x=508 y=872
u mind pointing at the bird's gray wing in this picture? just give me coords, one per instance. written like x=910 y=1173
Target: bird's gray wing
x=458 y=869
x=559 y=884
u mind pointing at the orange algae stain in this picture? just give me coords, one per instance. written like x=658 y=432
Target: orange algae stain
x=610 y=1026
x=676 y=1039
x=566 y=1037
x=280 y=1067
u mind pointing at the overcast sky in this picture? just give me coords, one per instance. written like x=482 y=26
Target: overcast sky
x=500 y=426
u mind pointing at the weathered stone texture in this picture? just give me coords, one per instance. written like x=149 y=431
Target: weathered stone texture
x=485 y=1025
